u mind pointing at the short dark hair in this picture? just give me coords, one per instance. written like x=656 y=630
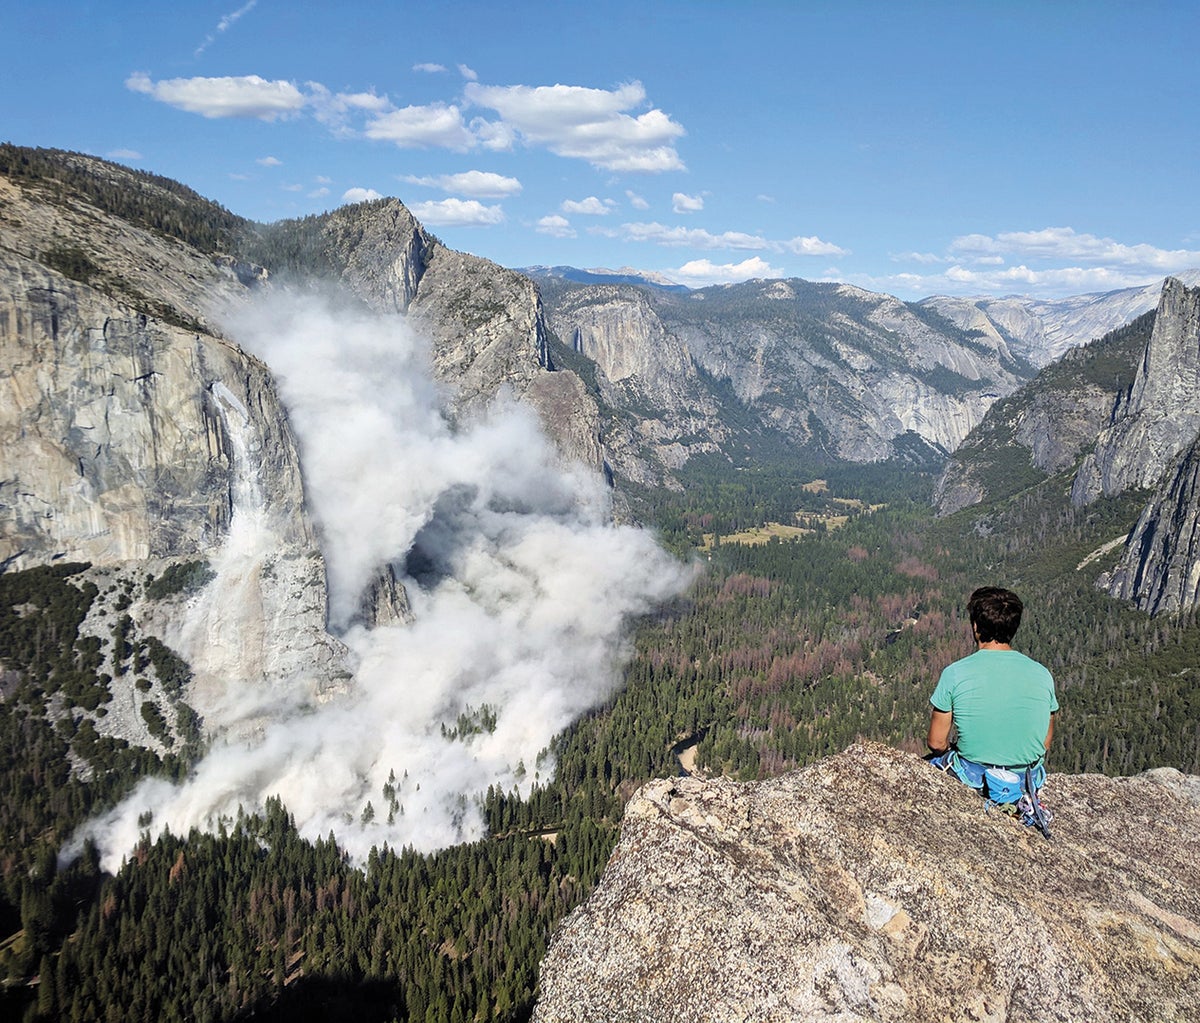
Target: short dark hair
x=995 y=614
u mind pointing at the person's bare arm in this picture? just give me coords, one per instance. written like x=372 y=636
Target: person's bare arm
x=939 y=730
x=1050 y=731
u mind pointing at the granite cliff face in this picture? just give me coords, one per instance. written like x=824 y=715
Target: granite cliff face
x=125 y=437
x=485 y=322
x=1160 y=416
x=1047 y=426
x=136 y=435
x=840 y=372
x=1159 y=567
x=871 y=887
x=136 y=438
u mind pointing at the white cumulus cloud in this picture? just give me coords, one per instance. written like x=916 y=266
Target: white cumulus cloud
x=420 y=127
x=475 y=184
x=269 y=161
x=555 y=226
x=681 y=203
x=245 y=96
x=587 y=124
x=360 y=195
x=457 y=213
x=591 y=206
x=812 y=246
x=698 y=273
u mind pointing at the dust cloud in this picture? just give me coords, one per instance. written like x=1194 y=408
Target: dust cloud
x=522 y=592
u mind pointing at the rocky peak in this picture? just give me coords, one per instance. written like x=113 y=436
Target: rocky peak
x=871 y=887
x=1160 y=417
x=381 y=250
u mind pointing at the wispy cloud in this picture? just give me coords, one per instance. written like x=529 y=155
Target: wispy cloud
x=689 y=237
x=475 y=184
x=467 y=73
x=457 y=213
x=699 y=238
x=224 y=25
x=555 y=226
x=1051 y=262
x=1055 y=243
x=681 y=203
x=430 y=69
x=269 y=161
x=1051 y=282
x=245 y=96
x=636 y=201
x=124 y=154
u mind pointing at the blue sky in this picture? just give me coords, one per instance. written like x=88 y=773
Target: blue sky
x=965 y=148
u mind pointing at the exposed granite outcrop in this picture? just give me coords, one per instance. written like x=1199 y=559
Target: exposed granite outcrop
x=1160 y=418
x=485 y=323
x=871 y=887
x=118 y=429
x=1159 y=569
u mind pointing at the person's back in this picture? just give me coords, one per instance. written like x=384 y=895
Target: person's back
x=1001 y=702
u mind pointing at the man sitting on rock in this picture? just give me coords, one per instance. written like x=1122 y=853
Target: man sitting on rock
x=1001 y=702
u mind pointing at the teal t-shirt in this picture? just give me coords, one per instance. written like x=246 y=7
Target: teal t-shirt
x=1001 y=701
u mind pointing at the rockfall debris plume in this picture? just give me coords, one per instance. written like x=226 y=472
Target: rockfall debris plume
x=521 y=590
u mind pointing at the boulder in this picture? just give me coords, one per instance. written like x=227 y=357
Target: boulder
x=870 y=886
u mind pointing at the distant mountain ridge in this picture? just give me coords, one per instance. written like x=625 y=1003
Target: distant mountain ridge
x=1038 y=330
x=776 y=368
x=599 y=275
x=1044 y=330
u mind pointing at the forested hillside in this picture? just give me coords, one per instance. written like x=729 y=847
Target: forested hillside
x=781 y=653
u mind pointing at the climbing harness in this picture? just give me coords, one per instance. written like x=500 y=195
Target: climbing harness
x=1016 y=790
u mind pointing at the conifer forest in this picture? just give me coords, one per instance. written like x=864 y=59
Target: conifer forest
x=782 y=652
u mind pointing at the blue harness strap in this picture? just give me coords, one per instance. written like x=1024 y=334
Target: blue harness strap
x=1018 y=786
